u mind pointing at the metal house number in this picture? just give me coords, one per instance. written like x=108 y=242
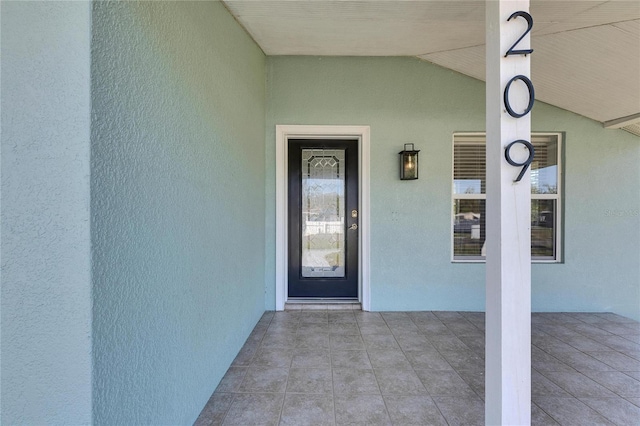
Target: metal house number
x=512 y=51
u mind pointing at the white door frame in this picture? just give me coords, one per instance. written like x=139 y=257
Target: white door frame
x=283 y=134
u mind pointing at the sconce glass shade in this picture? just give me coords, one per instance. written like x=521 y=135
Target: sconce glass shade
x=408 y=162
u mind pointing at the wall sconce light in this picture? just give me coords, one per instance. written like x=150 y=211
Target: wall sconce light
x=408 y=163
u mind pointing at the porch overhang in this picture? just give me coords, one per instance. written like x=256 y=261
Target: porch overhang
x=587 y=59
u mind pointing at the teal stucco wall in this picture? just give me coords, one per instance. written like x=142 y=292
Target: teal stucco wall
x=137 y=235
x=177 y=199
x=45 y=243
x=405 y=100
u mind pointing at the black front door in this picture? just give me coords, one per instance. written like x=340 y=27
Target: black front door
x=323 y=218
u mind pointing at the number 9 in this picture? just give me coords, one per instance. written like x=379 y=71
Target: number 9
x=526 y=163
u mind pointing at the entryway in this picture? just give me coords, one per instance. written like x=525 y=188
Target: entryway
x=323 y=219
x=322 y=215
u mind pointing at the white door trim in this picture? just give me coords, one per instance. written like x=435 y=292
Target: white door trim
x=283 y=133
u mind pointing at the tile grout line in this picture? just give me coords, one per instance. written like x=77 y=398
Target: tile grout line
x=286 y=385
x=414 y=370
x=578 y=325
x=333 y=391
x=228 y=409
x=235 y=394
x=416 y=373
x=548 y=414
x=375 y=377
x=596 y=410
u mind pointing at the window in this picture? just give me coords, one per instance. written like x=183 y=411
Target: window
x=469 y=184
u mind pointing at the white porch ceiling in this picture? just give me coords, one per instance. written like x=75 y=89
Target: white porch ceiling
x=586 y=53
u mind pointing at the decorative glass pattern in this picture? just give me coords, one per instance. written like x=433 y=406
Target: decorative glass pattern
x=323 y=213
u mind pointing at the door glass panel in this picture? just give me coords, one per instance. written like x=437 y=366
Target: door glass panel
x=323 y=213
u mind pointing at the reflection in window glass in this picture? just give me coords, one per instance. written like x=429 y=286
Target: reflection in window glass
x=468 y=228
x=544 y=168
x=542 y=228
x=469 y=187
x=469 y=170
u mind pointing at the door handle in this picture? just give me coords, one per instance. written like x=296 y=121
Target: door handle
x=353 y=227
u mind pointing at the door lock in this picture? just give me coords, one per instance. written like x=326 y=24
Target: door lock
x=354 y=213
x=353 y=227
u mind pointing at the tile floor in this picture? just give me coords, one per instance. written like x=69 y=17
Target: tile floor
x=338 y=367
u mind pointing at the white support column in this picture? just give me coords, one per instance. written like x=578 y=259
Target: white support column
x=508 y=223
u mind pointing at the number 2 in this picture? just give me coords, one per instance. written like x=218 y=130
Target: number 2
x=529 y=20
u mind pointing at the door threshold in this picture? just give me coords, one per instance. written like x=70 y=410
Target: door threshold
x=322 y=305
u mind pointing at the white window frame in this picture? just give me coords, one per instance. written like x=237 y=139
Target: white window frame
x=558 y=197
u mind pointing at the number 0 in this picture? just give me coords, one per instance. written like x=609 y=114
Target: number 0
x=507 y=104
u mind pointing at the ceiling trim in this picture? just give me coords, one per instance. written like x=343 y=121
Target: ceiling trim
x=622 y=121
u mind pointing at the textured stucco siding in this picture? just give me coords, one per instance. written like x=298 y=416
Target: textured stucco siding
x=45 y=245
x=177 y=197
x=405 y=100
